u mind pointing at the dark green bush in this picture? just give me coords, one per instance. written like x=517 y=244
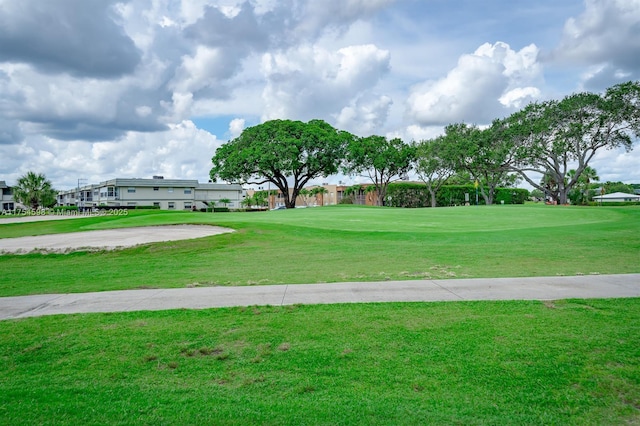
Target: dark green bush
x=614 y=203
x=416 y=195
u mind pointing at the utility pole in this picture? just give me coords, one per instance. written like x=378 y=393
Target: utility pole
x=79 y=198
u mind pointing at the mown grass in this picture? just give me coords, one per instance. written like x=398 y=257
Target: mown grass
x=334 y=245
x=568 y=362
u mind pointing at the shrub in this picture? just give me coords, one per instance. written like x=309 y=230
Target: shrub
x=416 y=195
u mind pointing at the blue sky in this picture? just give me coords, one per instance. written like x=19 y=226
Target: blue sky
x=103 y=88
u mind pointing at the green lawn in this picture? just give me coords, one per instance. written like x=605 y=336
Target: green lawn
x=564 y=362
x=337 y=244
x=468 y=363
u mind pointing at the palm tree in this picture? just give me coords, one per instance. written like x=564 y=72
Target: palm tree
x=304 y=193
x=588 y=176
x=34 y=190
x=320 y=190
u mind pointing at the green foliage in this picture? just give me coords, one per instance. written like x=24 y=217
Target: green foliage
x=615 y=203
x=549 y=136
x=485 y=154
x=34 y=190
x=417 y=195
x=537 y=194
x=147 y=208
x=406 y=194
x=380 y=159
x=280 y=151
x=221 y=209
x=436 y=162
x=318 y=190
x=611 y=187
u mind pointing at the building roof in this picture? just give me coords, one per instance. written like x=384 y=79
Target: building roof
x=219 y=186
x=177 y=183
x=162 y=183
x=617 y=195
x=3 y=184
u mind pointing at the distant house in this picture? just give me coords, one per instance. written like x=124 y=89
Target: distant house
x=616 y=197
x=6 y=196
x=166 y=194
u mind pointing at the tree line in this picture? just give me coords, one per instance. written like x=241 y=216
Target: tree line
x=554 y=139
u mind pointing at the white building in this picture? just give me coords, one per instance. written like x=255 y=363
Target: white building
x=616 y=197
x=6 y=196
x=167 y=194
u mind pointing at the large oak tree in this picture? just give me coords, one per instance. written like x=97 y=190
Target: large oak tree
x=554 y=137
x=435 y=163
x=380 y=159
x=286 y=153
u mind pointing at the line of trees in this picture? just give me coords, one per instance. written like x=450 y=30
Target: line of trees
x=547 y=138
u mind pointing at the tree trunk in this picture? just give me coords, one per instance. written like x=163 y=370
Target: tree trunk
x=433 y=197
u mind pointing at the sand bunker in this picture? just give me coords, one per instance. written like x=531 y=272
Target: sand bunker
x=108 y=239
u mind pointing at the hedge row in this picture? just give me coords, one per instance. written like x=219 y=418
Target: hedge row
x=215 y=210
x=414 y=195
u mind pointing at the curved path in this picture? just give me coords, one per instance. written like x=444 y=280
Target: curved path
x=540 y=288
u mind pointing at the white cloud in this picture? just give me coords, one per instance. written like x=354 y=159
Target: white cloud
x=183 y=151
x=519 y=97
x=365 y=115
x=618 y=165
x=236 y=126
x=483 y=86
x=316 y=16
x=311 y=82
x=417 y=133
x=607 y=38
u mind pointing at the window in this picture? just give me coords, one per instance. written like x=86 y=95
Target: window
x=110 y=191
x=187 y=190
x=172 y=205
x=156 y=188
x=131 y=190
x=169 y=189
x=187 y=205
x=156 y=204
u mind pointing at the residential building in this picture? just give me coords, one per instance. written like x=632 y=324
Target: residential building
x=332 y=195
x=166 y=194
x=6 y=196
x=616 y=197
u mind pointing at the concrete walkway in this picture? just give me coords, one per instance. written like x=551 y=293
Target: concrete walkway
x=541 y=288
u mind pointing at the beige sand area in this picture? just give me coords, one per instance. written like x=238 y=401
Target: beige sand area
x=108 y=239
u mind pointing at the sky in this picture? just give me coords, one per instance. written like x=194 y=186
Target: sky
x=92 y=90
